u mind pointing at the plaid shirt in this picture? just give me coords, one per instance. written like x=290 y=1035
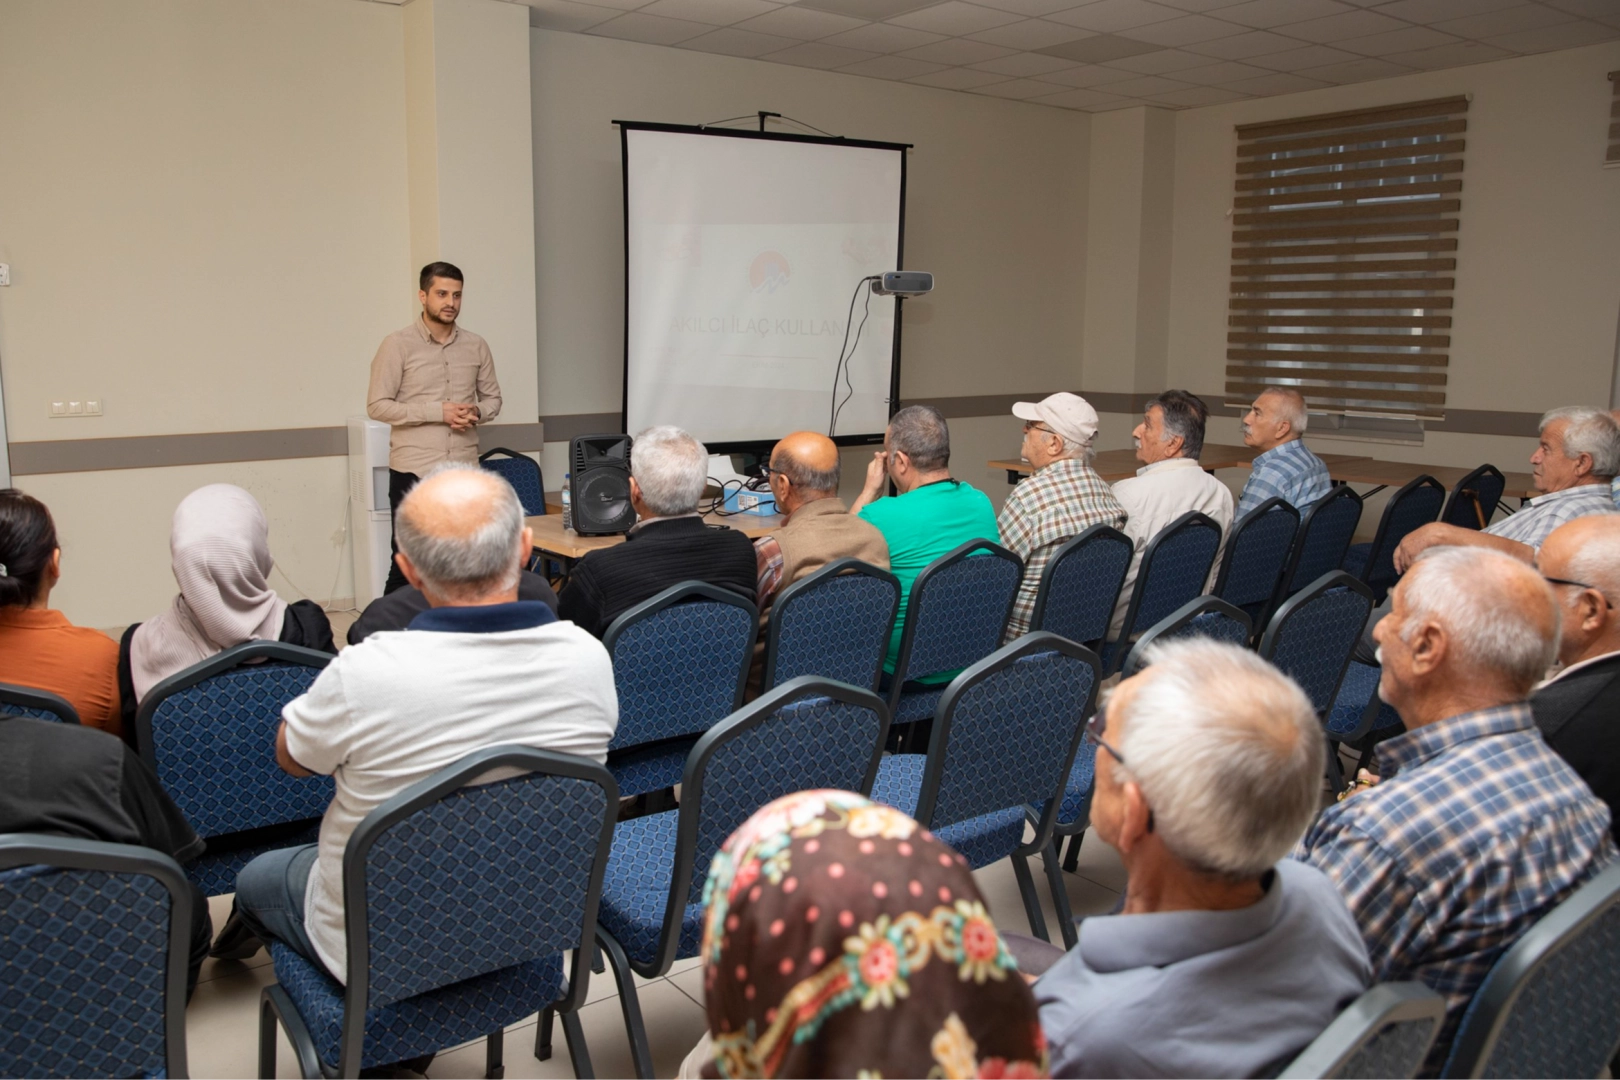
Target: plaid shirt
x=1477 y=830
x=1544 y=513
x=1289 y=471
x=1056 y=504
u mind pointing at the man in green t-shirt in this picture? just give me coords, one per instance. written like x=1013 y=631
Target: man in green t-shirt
x=933 y=513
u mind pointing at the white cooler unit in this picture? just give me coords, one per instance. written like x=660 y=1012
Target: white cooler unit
x=369 y=519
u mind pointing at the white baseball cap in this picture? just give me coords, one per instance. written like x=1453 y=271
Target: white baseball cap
x=1070 y=415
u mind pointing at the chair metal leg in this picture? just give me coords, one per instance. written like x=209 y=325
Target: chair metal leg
x=1335 y=771
x=494 y=1055
x=1071 y=858
x=1060 y=894
x=267 y=1039
x=578 y=1052
x=542 y=1034
x=634 y=1026
x=275 y=1006
x=1032 y=902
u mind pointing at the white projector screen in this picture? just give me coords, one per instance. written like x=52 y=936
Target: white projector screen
x=742 y=252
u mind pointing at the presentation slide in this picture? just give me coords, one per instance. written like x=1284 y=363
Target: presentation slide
x=743 y=256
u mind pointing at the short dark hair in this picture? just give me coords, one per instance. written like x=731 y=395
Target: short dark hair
x=439 y=269
x=920 y=432
x=27 y=540
x=1184 y=414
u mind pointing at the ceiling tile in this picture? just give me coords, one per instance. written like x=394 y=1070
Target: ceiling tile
x=1016 y=89
x=1213 y=74
x=1088 y=76
x=1115 y=106
x=1149 y=84
x=1030 y=7
x=1413 y=37
x=1184 y=30
x=954 y=17
x=1548 y=38
x=1591 y=9
x=1200 y=5
x=1354 y=71
x=1162 y=62
x=631 y=5
x=956 y=51
x=649 y=29
x=1078 y=99
x=1024 y=65
x=1278 y=83
x=817 y=54
x=883 y=38
x=891 y=67
x=565 y=15
x=1108 y=16
x=1347 y=25
x=1031 y=34
x=1446 y=56
x=730 y=41
x=866 y=9
x=714 y=12
x=1504 y=21
x=1197 y=96
x=1243 y=46
x=1306 y=56
x=1432 y=11
x=1265 y=14
x=957 y=79
x=798 y=21
x=1101 y=47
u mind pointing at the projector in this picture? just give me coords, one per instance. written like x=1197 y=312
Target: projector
x=903 y=283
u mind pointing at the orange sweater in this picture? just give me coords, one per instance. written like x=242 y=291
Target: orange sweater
x=41 y=649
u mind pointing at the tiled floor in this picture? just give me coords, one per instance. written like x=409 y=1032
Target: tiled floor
x=222 y=1021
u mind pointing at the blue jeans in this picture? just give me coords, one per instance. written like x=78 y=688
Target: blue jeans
x=270 y=898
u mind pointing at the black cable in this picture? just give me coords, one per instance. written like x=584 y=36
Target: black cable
x=867 y=314
x=812 y=127
x=731 y=119
x=832 y=407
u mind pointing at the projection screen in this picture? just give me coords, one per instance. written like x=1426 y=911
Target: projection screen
x=742 y=253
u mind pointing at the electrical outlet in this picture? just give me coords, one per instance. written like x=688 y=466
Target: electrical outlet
x=58 y=408
x=92 y=407
x=5 y=274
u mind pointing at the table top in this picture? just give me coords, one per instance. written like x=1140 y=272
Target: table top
x=552 y=538
x=1395 y=473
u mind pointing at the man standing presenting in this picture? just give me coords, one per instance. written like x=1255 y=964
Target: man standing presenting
x=433 y=383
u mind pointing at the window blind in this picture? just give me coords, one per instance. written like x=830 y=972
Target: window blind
x=1613 y=157
x=1343 y=250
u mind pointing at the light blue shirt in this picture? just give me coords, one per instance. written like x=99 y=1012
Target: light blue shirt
x=1289 y=472
x=1544 y=513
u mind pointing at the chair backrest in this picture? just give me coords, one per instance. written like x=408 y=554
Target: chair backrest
x=807 y=734
x=451 y=879
x=523 y=473
x=1387 y=1031
x=1417 y=503
x=680 y=661
x=957 y=610
x=1256 y=553
x=834 y=623
x=39 y=704
x=1080 y=585
x=1205 y=616
x=96 y=938
x=1324 y=537
x=1175 y=566
x=1548 y=1006
x=1006 y=732
x=208 y=730
x=1314 y=633
x=1474 y=498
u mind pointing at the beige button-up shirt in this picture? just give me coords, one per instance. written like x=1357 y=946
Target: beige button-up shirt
x=412 y=376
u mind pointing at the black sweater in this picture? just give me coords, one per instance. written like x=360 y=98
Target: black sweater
x=607 y=583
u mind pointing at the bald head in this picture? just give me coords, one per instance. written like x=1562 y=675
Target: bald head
x=461 y=535
x=1587 y=551
x=808 y=462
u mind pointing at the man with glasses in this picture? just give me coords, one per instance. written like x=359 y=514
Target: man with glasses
x=1578 y=710
x=1062 y=499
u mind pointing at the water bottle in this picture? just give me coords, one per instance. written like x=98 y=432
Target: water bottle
x=568 y=501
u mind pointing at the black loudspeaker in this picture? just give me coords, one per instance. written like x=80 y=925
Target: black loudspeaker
x=601 y=484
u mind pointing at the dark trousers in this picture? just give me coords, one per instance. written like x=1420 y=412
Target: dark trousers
x=399 y=485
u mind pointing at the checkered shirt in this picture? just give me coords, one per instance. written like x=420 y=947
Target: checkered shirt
x=1476 y=831
x=1055 y=505
x=1290 y=472
x=1544 y=513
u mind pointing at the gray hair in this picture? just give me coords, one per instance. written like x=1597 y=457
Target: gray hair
x=805 y=478
x=1183 y=414
x=1469 y=591
x=1293 y=408
x=671 y=468
x=1227 y=751
x=920 y=433
x=1591 y=431
x=471 y=564
x=1597 y=561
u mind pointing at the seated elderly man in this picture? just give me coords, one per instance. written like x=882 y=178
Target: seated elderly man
x=1477 y=828
x=669 y=544
x=1227 y=958
x=1578 y=709
x=1284 y=468
x=933 y=512
x=1062 y=498
x=480 y=668
x=1170 y=482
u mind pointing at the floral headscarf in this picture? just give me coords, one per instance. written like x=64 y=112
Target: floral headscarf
x=843 y=939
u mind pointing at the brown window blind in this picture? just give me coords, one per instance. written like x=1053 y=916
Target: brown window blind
x=1613 y=157
x=1343 y=249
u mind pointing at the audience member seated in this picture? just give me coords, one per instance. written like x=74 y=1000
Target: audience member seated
x=1476 y=828
x=843 y=939
x=1578 y=710
x=38 y=646
x=1284 y=468
x=1061 y=499
x=480 y=668
x=77 y=782
x=396 y=610
x=220 y=551
x=933 y=513
x=1170 y=482
x=1227 y=957
x=670 y=543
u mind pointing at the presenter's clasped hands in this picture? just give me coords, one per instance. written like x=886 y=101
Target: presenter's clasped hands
x=460 y=417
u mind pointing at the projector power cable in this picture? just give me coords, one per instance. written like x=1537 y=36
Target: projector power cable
x=834 y=408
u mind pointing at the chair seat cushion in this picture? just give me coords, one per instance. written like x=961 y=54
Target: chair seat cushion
x=1077 y=792
x=635 y=890
x=917 y=704
x=638 y=770
x=1355 y=693
x=981 y=840
x=215 y=870
x=1355 y=560
x=423 y=1024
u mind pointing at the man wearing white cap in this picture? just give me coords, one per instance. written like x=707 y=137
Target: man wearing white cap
x=1063 y=498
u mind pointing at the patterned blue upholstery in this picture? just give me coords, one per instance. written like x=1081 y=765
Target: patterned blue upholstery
x=677 y=670
x=1082 y=583
x=838 y=629
x=1387 y=718
x=1077 y=790
x=959 y=612
x=214 y=872
x=523 y=473
x=1205 y=616
x=82 y=972
x=38 y=704
x=1415 y=505
x=1256 y=554
x=1174 y=570
x=981 y=840
x=917 y=704
x=8 y=709
x=1397 y=1050
x=635 y=892
x=639 y=770
x=1324 y=537
x=1487 y=484
x=1355 y=694
x=1312 y=644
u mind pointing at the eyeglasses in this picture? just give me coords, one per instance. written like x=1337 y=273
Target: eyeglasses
x=1578 y=585
x=1097 y=726
x=1031 y=425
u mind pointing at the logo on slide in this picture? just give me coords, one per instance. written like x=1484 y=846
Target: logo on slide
x=769 y=271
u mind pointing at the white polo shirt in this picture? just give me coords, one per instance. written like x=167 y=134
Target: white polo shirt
x=1156 y=496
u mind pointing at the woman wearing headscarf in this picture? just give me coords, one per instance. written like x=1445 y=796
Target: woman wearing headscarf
x=841 y=938
x=220 y=547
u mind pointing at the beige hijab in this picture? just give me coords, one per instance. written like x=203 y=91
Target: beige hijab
x=220 y=547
